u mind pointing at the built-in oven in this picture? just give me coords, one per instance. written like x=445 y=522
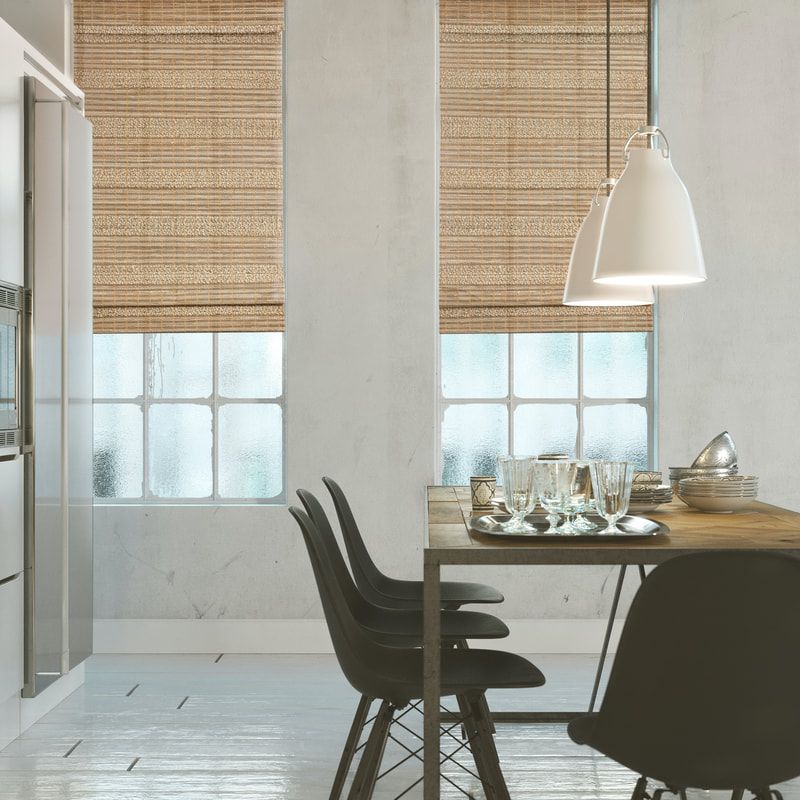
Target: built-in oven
x=10 y=354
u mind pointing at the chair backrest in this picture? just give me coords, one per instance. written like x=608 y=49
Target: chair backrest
x=320 y=519
x=705 y=687
x=365 y=663
x=369 y=578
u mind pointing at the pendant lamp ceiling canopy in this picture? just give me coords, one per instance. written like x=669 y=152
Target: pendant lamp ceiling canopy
x=649 y=234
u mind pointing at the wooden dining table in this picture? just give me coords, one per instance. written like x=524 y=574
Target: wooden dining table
x=450 y=541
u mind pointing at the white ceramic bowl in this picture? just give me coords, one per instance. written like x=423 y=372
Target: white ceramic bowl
x=716 y=505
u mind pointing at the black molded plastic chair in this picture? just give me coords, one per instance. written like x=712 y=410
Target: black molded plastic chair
x=391 y=627
x=392 y=592
x=394 y=675
x=705 y=687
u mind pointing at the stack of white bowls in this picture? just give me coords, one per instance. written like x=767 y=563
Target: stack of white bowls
x=648 y=493
x=721 y=495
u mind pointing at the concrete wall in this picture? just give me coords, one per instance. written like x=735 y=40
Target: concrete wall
x=730 y=83
x=361 y=329
x=361 y=254
x=41 y=22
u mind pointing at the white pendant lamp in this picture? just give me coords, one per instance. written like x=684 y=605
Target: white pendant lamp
x=649 y=234
x=581 y=289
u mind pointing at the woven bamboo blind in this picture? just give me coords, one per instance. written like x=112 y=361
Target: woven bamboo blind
x=525 y=137
x=185 y=98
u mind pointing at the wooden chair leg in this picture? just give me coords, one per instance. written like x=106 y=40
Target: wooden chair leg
x=463 y=644
x=640 y=790
x=737 y=794
x=479 y=755
x=370 y=763
x=350 y=746
x=486 y=740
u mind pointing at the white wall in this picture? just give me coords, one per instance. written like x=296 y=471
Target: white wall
x=361 y=245
x=361 y=286
x=730 y=85
x=41 y=22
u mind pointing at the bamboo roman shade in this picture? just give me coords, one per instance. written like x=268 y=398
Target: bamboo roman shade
x=525 y=137
x=185 y=98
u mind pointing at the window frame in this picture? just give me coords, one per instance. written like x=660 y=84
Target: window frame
x=511 y=401
x=214 y=401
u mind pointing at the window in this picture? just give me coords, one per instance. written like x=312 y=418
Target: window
x=585 y=394
x=188 y=417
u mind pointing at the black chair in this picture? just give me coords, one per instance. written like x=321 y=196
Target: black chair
x=393 y=592
x=394 y=676
x=705 y=687
x=390 y=627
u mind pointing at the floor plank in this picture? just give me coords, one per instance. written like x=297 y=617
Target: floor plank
x=270 y=727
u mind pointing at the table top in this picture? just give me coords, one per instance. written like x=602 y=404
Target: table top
x=758 y=527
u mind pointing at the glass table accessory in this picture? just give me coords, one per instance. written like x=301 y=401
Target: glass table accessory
x=611 y=481
x=518 y=489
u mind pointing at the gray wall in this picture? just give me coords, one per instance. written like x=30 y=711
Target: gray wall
x=41 y=22
x=361 y=249
x=361 y=254
x=730 y=85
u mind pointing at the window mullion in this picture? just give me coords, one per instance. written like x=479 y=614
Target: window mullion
x=145 y=417
x=579 y=444
x=511 y=399
x=214 y=419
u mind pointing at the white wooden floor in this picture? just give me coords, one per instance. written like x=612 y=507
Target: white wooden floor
x=197 y=727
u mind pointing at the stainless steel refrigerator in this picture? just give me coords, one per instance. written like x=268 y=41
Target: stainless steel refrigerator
x=57 y=387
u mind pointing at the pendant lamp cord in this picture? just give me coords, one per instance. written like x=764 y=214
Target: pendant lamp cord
x=608 y=88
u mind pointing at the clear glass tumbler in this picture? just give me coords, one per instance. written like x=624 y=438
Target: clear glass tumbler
x=518 y=487
x=554 y=484
x=611 y=481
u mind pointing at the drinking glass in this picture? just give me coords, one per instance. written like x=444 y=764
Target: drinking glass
x=518 y=486
x=612 y=481
x=553 y=483
x=581 y=491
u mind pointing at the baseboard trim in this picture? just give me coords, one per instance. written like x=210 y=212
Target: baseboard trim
x=32 y=709
x=311 y=636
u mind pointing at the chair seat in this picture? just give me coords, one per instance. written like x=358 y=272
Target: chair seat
x=580 y=729
x=404 y=628
x=463 y=671
x=408 y=594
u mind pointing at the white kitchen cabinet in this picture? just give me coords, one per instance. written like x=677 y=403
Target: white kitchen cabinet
x=11 y=649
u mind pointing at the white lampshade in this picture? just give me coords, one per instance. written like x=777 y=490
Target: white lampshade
x=581 y=289
x=649 y=234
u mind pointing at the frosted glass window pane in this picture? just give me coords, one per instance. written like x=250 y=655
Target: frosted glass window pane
x=546 y=365
x=118 y=365
x=615 y=364
x=180 y=450
x=118 y=446
x=617 y=432
x=180 y=364
x=474 y=364
x=540 y=428
x=250 y=450
x=250 y=364
x=473 y=435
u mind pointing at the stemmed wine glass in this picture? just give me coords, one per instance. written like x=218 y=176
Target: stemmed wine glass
x=553 y=483
x=612 y=481
x=581 y=490
x=518 y=485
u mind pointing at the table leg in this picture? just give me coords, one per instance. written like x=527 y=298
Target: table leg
x=609 y=627
x=432 y=668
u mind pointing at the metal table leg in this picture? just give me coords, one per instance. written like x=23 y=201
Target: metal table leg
x=432 y=668
x=609 y=627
